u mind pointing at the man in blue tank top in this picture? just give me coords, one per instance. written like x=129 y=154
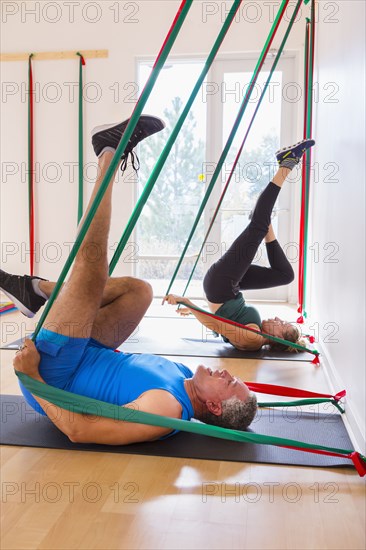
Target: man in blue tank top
x=92 y=316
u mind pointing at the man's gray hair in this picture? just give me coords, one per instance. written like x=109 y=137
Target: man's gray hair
x=236 y=414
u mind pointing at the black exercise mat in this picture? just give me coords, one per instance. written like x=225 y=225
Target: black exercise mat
x=22 y=426
x=183 y=337
x=212 y=347
x=187 y=337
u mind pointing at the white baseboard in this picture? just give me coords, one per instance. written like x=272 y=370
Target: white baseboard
x=350 y=417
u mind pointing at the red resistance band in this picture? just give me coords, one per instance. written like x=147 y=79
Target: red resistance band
x=356 y=458
x=308 y=132
x=9 y=307
x=180 y=9
x=239 y=153
x=303 y=179
x=286 y=391
x=31 y=167
x=315 y=361
x=170 y=31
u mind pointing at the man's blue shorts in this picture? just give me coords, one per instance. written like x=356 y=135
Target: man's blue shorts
x=61 y=357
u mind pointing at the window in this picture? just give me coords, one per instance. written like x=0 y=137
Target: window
x=168 y=216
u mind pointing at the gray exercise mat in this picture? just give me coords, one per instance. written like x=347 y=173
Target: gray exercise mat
x=187 y=338
x=22 y=426
x=212 y=347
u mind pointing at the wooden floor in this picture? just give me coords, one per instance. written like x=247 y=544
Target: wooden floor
x=54 y=499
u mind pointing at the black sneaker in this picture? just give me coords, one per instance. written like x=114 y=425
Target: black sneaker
x=108 y=137
x=289 y=157
x=20 y=291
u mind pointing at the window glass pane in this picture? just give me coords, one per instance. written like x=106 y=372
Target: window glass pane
x=168 y=216
x=257 y=162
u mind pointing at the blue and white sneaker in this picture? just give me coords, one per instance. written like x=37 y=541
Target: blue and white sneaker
x=107 y=137
x=290 y=156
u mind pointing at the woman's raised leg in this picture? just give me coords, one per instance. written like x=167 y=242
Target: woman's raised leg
x=279 y=273
x=222 y=280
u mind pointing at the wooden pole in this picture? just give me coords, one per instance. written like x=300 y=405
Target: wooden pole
x=46 y=56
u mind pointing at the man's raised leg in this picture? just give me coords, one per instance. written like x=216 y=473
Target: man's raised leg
x=87 y=305
x=76 y=307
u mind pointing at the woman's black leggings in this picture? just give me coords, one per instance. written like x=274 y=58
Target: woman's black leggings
x=235 y=272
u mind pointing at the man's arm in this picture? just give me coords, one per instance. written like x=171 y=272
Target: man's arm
x=239 y=337
x=95 y=429
x=81 y=428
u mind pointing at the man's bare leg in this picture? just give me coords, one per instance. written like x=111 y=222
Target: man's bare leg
x=75 y=309
x=124 y=303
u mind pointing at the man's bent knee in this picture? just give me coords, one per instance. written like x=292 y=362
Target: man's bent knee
x=143 y=289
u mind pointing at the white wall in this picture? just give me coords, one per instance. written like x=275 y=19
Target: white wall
x=338 y=213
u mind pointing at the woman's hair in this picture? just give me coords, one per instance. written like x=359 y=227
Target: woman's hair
x=236 y=414
x=292 y=334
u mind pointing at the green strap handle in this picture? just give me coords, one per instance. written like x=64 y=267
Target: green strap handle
x=300 y=403
x=273 y=68
x=231 y=137
x=172 y=138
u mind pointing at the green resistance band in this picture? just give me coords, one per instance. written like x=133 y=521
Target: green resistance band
x=85 y=405
x=231 y=137
x=303 y=176
x=308 y=154
x=168 y=44
x=300 y=403
x=172 y=138
x=273 y=68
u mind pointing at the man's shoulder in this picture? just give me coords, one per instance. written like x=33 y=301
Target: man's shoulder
x=160 y=402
